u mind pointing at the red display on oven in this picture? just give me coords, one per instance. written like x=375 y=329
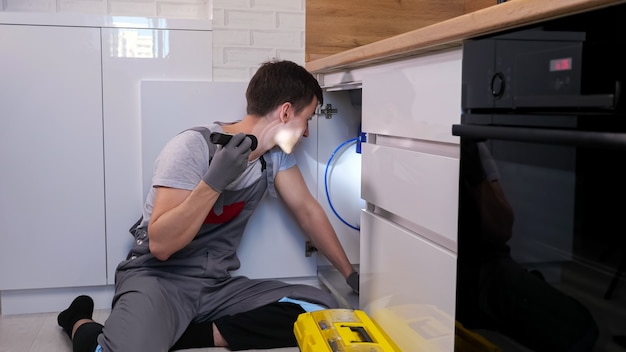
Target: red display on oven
x=564 y=64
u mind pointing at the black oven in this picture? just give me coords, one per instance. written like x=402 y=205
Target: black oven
x=542 y=187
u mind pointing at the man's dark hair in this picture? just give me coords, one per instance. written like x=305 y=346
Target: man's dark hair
x=280 y=81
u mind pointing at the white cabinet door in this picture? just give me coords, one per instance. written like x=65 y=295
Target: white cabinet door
x=408 y=285
x=51 y=158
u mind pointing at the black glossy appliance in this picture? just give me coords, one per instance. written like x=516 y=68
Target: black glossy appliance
x=542 y=208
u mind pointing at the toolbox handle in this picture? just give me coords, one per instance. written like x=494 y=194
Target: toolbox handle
x=365 y=337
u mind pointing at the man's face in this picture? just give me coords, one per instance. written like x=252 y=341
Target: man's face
x=296 y=128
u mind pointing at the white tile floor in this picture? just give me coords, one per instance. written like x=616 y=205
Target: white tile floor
x=40 y=333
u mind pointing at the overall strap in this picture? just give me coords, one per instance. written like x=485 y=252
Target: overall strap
x=270 y=176
x=206 y=132
x=218 y=207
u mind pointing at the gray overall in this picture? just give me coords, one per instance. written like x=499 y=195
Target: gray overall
x=156 y=300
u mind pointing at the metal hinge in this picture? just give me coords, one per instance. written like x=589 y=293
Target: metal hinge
x=309 y=248
x=328 y=111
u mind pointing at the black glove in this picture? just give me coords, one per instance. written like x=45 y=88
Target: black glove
x=228 y=162
x=353 y=281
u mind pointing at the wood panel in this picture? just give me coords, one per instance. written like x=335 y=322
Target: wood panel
x=475 y=5
x=334 y=26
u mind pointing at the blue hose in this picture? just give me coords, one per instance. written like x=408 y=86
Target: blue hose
x=353 y=140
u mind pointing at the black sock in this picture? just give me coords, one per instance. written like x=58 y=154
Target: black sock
x=197 y=335
x=81 y=308
x=86 y=337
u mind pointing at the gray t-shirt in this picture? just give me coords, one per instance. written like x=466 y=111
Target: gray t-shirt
x=185 y=158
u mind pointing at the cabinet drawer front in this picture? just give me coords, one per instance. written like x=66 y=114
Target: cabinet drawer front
x=408 y=285
x=421 y=100
x=421 y=188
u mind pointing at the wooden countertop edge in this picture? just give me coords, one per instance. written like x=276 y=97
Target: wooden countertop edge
x=452 y=32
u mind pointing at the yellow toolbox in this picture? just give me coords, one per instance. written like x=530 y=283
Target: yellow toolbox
x=340 y=330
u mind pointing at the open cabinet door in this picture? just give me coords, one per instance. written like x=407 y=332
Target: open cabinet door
x=273 y=245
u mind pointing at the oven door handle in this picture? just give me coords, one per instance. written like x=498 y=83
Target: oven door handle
x=545 y=136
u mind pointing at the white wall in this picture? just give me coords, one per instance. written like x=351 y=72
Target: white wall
x=245 y=32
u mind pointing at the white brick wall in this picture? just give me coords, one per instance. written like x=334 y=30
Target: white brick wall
x=246 y=32
x=153 y=8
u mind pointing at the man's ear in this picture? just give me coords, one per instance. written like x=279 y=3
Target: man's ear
x=285 y=111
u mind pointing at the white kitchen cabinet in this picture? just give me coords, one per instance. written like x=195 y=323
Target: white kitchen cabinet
x=52 y=231
x=70 y=146
x=409 y=182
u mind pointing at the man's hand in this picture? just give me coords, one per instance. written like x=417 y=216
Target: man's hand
x=353 y=281
x=228 y=162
